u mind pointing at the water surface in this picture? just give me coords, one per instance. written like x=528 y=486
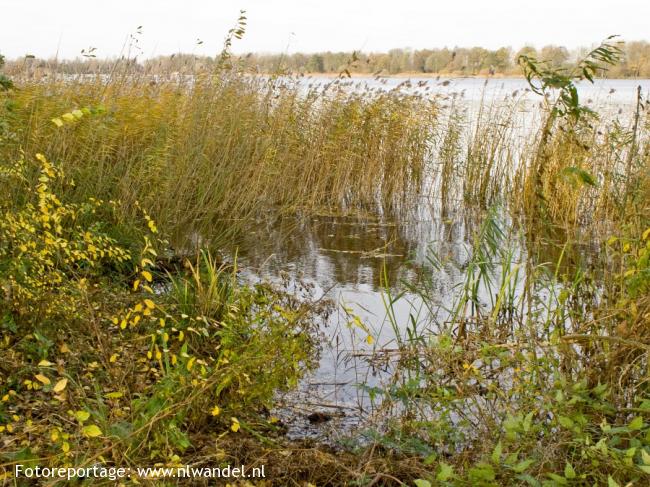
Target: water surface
x=358 y=263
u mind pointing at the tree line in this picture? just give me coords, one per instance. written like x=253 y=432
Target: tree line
x=474 y=61
x=458 y=61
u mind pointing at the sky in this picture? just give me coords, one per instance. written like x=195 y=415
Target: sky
x=47 y=28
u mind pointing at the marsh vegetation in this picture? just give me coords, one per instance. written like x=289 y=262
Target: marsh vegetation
x=515 y=338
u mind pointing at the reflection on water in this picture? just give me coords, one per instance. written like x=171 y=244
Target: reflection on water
x=357 y=264
x=360 y=265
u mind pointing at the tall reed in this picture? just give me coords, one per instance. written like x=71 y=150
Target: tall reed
x=210 y=150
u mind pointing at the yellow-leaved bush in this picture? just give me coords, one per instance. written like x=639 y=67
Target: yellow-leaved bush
x=161 y=351
x=46 y=246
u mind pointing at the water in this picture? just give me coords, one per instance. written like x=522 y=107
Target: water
x=356 y=263
x=618 y=92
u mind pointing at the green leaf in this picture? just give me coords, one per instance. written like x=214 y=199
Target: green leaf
x=529 y=479
x=496 y=454
x=482 y=471
x=430 y=459
x=569 y=472
x=645 y=456
x=422 y=483
x=558 y=478
x=636 y=423
x=511 y=458
x=611 y=482
x=523 y=465
x=445 y=472
x=528 y=421
x=566 y=422
x=578 y=176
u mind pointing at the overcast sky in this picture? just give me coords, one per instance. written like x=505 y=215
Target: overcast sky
x=45 y=27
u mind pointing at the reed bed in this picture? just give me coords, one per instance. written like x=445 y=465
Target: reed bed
x=210 y=152
x=213 y=150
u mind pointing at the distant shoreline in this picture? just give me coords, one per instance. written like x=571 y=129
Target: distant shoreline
x=409 y=74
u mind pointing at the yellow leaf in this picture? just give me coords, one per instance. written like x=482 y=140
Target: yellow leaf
x=235 y=425
x=91 y=431
x=82 y=416
x=64 y=348
x=149 y=303
x=190 y=363
x=59 y=386
x=57 y=121
x=43 y=379
x=147 y=275
x=215 y=411
x=113 y=358
x=136 y=283
x=45 y=363
x=65 y=446
x=114 y=395
x=370 y=340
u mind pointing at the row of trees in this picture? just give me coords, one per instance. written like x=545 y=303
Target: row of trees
x=457 y=61
x=464 y=61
